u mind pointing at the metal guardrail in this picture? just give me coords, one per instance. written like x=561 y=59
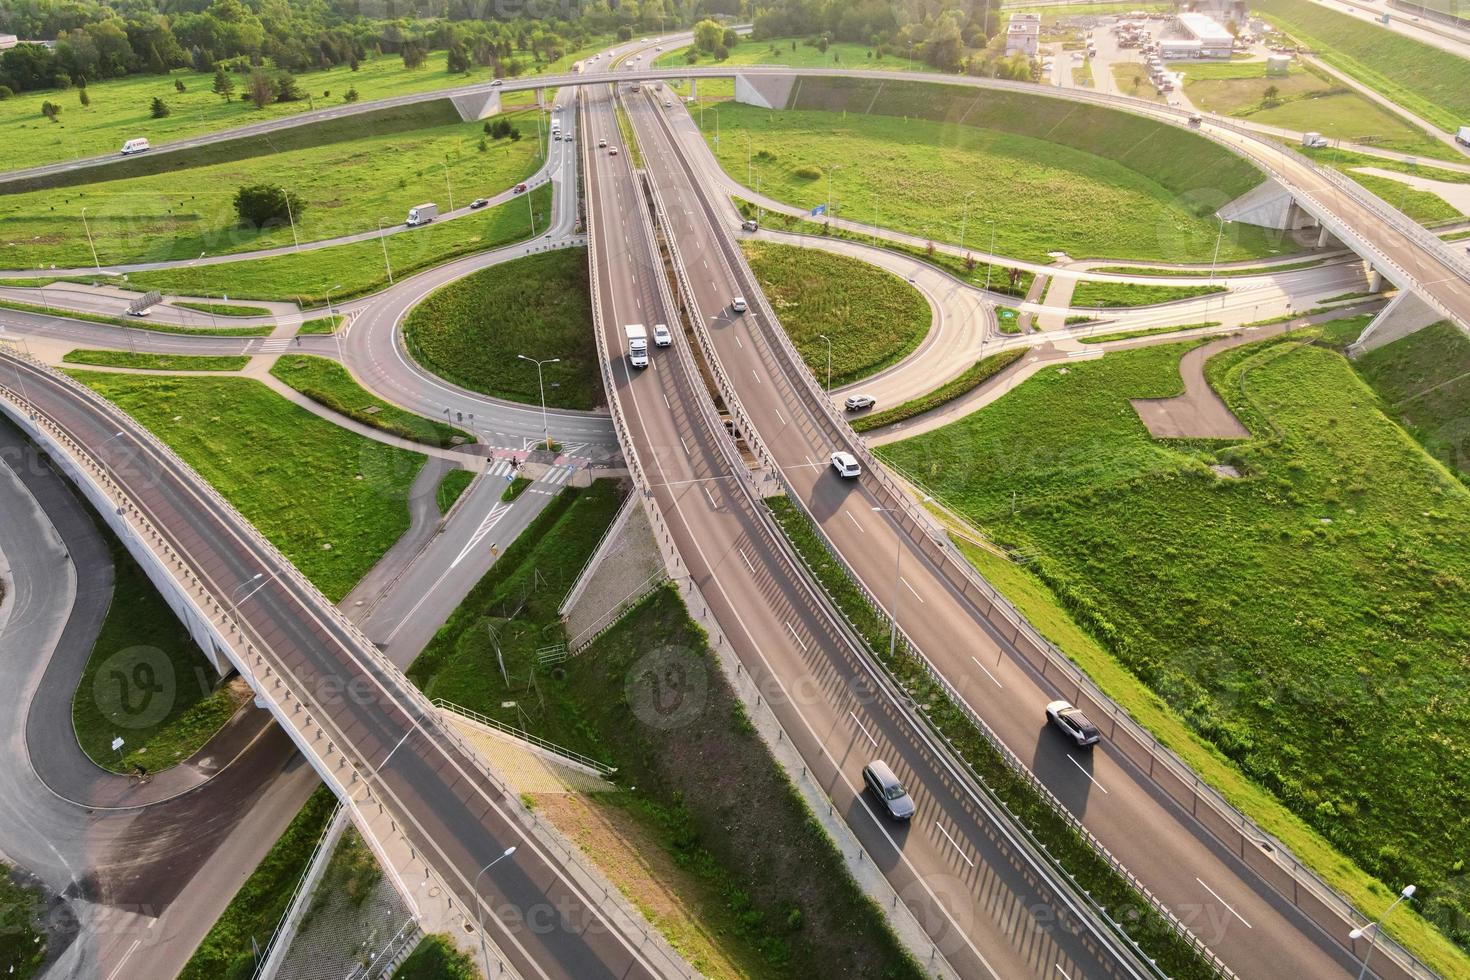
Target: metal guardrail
x=524 y=736
x=1259 y=850
x=268 y=963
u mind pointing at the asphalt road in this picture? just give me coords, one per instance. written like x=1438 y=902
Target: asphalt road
x=985 y=906
x=1231 y=907
x=455 y=819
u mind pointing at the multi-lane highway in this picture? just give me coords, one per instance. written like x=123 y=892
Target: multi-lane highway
x=1243 y=917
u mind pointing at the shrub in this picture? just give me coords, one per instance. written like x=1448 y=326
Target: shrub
x=258 y=205
x=807 y=173
x=159 y=108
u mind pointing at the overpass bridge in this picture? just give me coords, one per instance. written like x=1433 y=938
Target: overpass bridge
x=432 y=813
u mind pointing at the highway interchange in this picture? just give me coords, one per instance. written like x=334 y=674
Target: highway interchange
x=989 y=905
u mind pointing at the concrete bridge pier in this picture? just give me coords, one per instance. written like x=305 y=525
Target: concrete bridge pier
x=1375 y=281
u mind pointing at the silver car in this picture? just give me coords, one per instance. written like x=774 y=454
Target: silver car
x=857 y=403
x=846 y=465
x=891 y=795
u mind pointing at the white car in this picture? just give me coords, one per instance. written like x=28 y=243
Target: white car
x=856 y=403
x=738 y=304
x=1073 y=722
x=661 y=335
x=846 y=464
x=601 y=144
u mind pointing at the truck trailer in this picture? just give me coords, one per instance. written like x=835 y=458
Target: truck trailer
x=422 y=214
x=1462 y=136
x=637 y=344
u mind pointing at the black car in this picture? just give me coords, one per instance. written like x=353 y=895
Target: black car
x=479 y=202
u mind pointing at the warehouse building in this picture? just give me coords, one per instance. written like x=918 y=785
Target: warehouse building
x=1024 y=35
x=1214 y=40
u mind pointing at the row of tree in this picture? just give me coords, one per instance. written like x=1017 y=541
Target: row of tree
x=951 y=35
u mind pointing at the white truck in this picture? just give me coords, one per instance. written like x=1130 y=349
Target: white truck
x=422 y=214
x=1462 y=136
x=637 y=344
x=1315 y=141
x=134 y=146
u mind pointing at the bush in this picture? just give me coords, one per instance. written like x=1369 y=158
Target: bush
x=351 y=95
x=807 y=173
x=50 y=110
x=259 y=205
x=179 y=85
x=6 y=92
x=159 y=109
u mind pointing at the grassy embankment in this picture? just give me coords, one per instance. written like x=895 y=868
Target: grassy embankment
x=1097 y=294
x=1307 y=98
x=452 y=487
x=349 y=179
x=223 y=309
x=328 y=383
x=762 y=897
x=142 y=637
x=470 y=331
x=437 y=958
x=973 y=377
x=1424 y=206
x=1424 y=382
x=155 y=362
x=873 y=318
x=119 y=108
x=132 y=323
x=1235 y=618
x=1089 y=181
x=307 y=277
x=1222 y=273
x=1429 y=82
x=22 y=937
x=331 y=500
x=226 y=952
x=1103 y=338
x=795 y=52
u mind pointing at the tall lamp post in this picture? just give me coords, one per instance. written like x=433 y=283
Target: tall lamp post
x=990 y=259
x=1377 y=927
x=90 y=244
x=480 y=906
x=545 y=429
x=384 y=242
x=1218 y=236
x=964 y=219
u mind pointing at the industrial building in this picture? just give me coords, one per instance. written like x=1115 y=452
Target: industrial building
x=1214 y=40
x=1023 y=35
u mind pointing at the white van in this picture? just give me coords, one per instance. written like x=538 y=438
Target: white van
x=134 y=146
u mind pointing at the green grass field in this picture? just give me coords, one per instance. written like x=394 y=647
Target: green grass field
x=1424 y=384
x=355 y=269
x=1127 y=188
x=1132 y=79
x=973 y=377
x=1421 y=205
x=1321 y=591
x=1103 y=338
x=223 y=309
x=23 y=944
x=346 y=186
x=1095 y=293
x=452 y=487
x=155 y=362
x=768 y=895
x=226 y=952
x=437 y=958
x=332 y=501
x=1309 y=100
x=796 y=53
x=142 y=632
x=471 y=330
x=120 y=107
x=1429 y=82
x=325 y=381
x=873 y=318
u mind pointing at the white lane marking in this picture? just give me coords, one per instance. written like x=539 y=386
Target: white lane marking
x=863 y=728
x=911 y=589
x=711 y=499
x=1224 y=903
x=779 y=417
x=963 y=856
x=745 y=559
x=794 y=636
x=757 y=377
x=667 y=404
x=854 y=521
x=685 y=445
x=739 y=344
x=1063 y=972
x=126 y=956
x=989 y=674
x=486 y=526
x=1089 y=777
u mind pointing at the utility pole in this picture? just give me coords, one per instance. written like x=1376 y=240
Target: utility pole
x=95 y=264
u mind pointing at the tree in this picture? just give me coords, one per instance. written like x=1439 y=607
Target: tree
x=179 y=85
x=707 y=34
x=729 y=39
x=287 y=89
x=259 y=90
x=1271 y=92
x=720 y=53
x=625 y=33
x=261 y=205
x=414 y=54
x=351 y=95
x=223 y=86
x=82 y=95
x=50 y=110
x=159 y=109
x=458 y=59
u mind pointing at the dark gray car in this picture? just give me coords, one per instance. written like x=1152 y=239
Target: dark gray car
x=884 y=785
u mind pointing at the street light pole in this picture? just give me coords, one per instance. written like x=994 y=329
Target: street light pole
x=1218 y=236
x=90 y=244
x=545 y=428
x=480 y=906
x=384 y=242
x=1377 y=927
x=829 y=362
x=990 y=259
x=964 y=219
x=286 y=195
x=447 y=186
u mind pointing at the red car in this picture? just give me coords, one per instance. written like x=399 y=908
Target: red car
x=520 y=188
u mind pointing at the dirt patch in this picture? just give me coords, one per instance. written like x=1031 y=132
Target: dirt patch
x=643 y=871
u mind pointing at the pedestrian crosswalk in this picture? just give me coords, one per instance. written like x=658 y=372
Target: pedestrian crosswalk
x=555 y=476
x=499 y=467
x=558 y=475
x=270 y=346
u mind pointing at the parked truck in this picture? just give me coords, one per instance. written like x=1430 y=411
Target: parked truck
x=1462 y=136
x=1315 y=141
x=637 y=344
x=422 y=214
